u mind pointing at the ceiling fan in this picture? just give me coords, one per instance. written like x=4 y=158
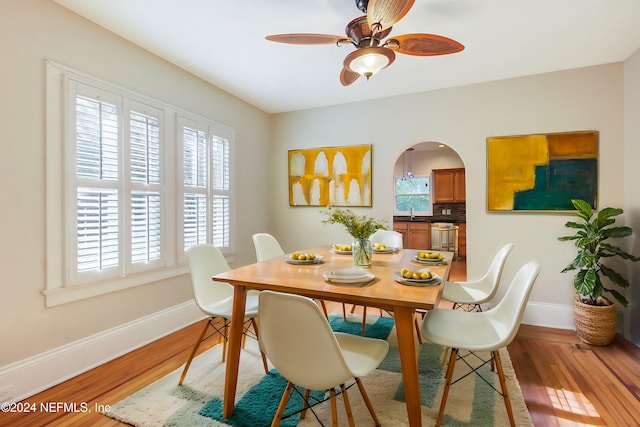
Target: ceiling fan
x=367 y=34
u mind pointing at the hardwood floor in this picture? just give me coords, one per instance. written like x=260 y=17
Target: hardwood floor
x=564 y=381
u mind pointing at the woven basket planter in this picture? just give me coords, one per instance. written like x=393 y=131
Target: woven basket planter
x=595 y=324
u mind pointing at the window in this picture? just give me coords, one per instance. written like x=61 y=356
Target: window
x=115 y=195
x=206 y=184
x=121 y=205
x=412 y=195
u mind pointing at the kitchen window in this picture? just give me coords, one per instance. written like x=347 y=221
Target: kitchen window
x=412 y=195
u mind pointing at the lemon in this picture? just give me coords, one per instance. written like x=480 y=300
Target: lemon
x=425 y=275
x=415 y=275
x=404 y=271
x=295 y=255
x=408 y=274
x=311 y=256
x=302 y=257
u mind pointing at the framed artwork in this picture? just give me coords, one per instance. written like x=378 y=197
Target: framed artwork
x=336 y=176
x=542 y=172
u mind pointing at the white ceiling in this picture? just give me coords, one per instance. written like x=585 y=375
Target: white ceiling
x=223 y=43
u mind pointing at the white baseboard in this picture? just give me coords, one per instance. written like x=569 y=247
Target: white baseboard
x=27 y=377
x=549 y=315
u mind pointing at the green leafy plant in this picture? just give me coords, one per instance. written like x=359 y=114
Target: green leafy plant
x=590 y=239
x=358 y=226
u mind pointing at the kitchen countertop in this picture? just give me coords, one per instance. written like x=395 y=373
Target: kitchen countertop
x=431 y=219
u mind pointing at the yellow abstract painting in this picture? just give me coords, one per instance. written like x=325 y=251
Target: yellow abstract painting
x=542 y=172
x=336 y=176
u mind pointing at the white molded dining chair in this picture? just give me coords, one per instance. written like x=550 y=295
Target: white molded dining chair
x=471 y=294
x=484 y=331
x=390 y=238
x=215 y=299
x=267 y=247
x=300 y=344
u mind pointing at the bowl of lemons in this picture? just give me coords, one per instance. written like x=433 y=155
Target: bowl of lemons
x=422 y=277
x=429 y=257
x=303 y=258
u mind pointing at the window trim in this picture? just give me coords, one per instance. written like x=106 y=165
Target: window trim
x=57 y=289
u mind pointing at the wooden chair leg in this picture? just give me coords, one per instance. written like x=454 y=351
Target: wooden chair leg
x=503 y=385
x=449 y=376
x=344 y=312
x=445 y=355
x=415 y=321
x=264 y=357
x=367 y=402
x=334 y=408
x=224 y=339
x=347 y=406
x=305 y=404
x=283 y=403
x=324 y=309
x=193 y=352
x=364 y=319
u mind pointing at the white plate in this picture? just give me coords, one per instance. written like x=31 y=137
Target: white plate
x=317 y=260
x=348 y=276
x=429 y=260
x=384 y=251
x=417 y=282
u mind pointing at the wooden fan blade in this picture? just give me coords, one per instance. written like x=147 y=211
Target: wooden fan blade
x=424 y=45
x=387 y=12
x=347 y=77
x=305 y=38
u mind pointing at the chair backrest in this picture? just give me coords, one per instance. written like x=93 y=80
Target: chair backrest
x=296 y=337
x=491 y=279
x=507 y=314
x=392 y=239
x=206 y=261
x=267 y=247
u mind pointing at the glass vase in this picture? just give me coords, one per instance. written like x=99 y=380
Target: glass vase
x=362 y=252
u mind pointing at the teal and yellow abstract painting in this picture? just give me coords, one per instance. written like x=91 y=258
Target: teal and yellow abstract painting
x=542 y=172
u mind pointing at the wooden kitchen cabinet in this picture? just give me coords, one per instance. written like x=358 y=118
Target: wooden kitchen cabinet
x=449 y=185
x=415 y=235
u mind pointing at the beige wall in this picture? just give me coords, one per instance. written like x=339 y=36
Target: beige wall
x=30 y=32
x=632 y=184
x=462 y=118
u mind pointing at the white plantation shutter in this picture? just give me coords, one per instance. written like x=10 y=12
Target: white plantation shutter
x=98 y=225
x=221 y=208
x=207 y=186
x=97 y=197
x=118 y=186
x=146 y=198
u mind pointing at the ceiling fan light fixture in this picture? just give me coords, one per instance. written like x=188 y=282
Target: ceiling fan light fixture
x=369 y=60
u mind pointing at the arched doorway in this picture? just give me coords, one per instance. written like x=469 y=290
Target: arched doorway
x=435 y=171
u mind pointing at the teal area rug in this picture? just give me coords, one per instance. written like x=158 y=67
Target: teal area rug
x=198 y=402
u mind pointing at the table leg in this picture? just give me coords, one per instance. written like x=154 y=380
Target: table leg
x=409 y=362
x=235 y=343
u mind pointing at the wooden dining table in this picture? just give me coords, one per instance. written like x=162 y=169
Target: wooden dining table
x=384 y=292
